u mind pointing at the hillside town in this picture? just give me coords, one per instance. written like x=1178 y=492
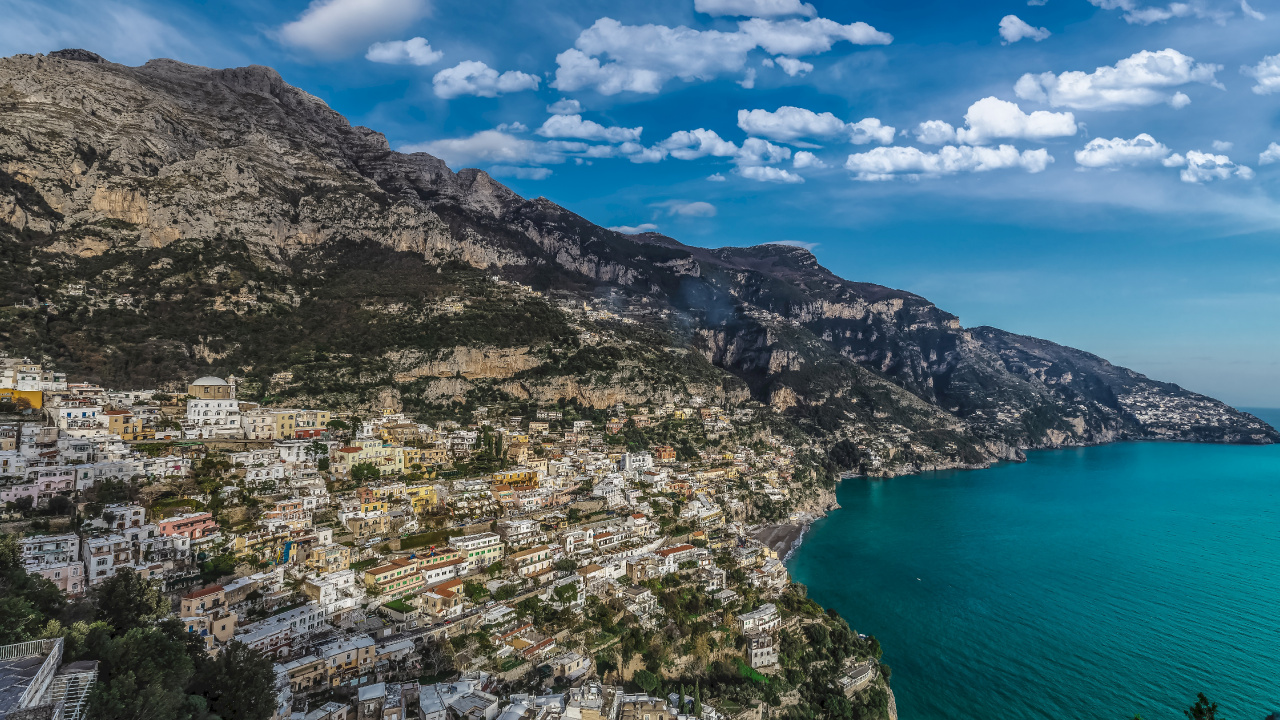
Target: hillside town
x=521 y=563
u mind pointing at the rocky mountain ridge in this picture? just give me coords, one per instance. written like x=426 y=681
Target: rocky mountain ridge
x=169 y=220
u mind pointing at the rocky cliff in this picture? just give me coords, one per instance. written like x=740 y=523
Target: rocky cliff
x=168 y=220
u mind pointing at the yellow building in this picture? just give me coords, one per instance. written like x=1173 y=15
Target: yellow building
x=423 y=497
x=125 y=424
x=389 y=460
x=397 y=578
x=519 y=478
x=34 y=398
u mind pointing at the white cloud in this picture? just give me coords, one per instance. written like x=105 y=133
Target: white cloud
x=340 y=27
x=935 y=132
x=1102 y=153
x=806 y=159
x=991 y=118
x=1205 y=167
x=693 y=144
x=869 y=130
x=1270 y=155
x=793 y=67
x=1141 y=79
x=755 y=151
x=641 y=58
x=635 y=229
x=513 y=127
x=485 y=147
x=1218 y=11
x=414 y=51
x=472 y=77
x=688 y=209
x=565 y=106
x=765 y=173
x=1222 y=145
x=120 y=32
x=789 y=124
x=1013 y=29
x=748 y=80
x=1037 y=3
x=573 y=126
x=793 y=243
x=521 y=173
x=884 y=163
x=1267 y=73
x=717 y=177
x=754 y=8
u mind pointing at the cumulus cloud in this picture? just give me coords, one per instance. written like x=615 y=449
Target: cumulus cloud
x=1013 y=29
x=1205 y=167
x=991 y=118
x=755 y=151
x=793 y=67
x=768 y=173
x=806 y=159
x=486 y=147
x=565 y=106
x=341 y=27
x=754 y=8
x=414 y=51
x=884 y=163
x=716 y=177
x=1102 y=153
x=935 y=132
x=685 y=208
x=573 y=126
x=642 y=58
x=472 y=77
x=693 y=144
x=1223 y=145
x=789 y=124
x=1270 y=155
x=635 y=229
x=1267 y=73
x=1218 y=11
x=1142 y=79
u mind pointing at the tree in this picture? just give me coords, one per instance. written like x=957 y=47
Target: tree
x=1202 y=710
x=646 y=680
x=697 y=698
x=142 y=674
x=237 y=684
x=126 y=601
x=565 y=565
x=364 y=472
x=60 y=505
x=26 y=601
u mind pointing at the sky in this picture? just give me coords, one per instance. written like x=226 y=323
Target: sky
x=1101 y=173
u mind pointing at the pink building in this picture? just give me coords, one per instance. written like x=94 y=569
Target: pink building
x=192 y=525
x=69 y=577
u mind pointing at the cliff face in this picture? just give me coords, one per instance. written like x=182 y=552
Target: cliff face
x=166 y=220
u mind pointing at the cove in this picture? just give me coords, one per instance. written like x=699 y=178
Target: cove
x=1085 y=583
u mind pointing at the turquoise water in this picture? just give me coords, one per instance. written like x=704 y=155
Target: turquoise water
x=1090 y=583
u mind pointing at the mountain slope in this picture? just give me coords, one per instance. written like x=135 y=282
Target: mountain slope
x=170 y=220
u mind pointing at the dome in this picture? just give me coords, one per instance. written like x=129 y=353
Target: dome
x=210 y=380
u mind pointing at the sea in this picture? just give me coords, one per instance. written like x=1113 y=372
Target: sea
x=1092 y=583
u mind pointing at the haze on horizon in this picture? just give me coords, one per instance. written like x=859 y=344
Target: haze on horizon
x=1101 y=173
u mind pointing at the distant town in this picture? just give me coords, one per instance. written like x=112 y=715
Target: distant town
x=517 y=567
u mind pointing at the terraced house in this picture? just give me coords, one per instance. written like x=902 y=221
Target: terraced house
x=398 y=578
x=480 y=550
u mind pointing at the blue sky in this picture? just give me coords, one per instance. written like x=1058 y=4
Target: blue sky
x=1102 y=173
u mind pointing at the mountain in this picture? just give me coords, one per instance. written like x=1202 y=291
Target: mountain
x=167 y=221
